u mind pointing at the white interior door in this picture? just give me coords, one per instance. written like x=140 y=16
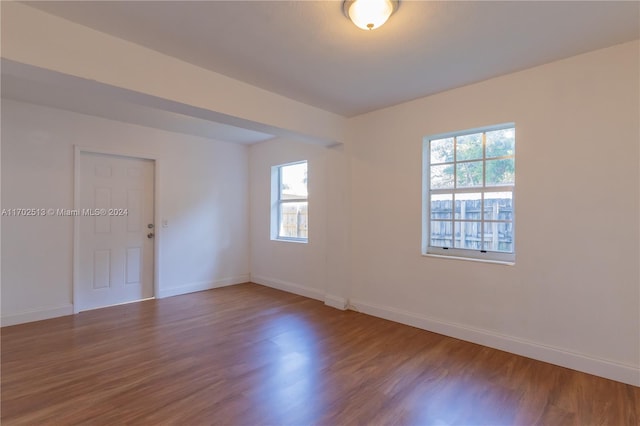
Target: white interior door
x=116 y=230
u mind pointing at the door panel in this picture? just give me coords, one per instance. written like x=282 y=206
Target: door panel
x=101 y=268
x=115 y=254
x=134 y=259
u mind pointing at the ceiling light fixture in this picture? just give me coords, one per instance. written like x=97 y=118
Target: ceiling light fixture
x=369 y=14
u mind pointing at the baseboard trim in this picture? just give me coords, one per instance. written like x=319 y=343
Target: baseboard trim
x=335 y=302
x=624 y=373
x=288 y=287
x=36 y=315
x=202 y=286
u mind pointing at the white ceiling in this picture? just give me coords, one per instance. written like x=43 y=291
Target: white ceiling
x=308 y=50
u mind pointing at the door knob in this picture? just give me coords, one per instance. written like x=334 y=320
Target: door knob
x=150 y=235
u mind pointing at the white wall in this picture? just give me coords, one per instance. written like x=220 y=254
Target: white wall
x=291 y=266
x=203 y=193
x=573 y=296
x=319 y=268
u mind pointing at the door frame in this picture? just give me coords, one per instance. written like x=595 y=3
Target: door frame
x=78 y=151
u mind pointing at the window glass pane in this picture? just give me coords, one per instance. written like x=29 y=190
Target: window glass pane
x=500 y=172
x=441 y=150
x=498 y=236
x=500 y=142
x=468 y=206
x=469 y=174
x=441 y=233
x=473 y=177
x=293 y=181
x=442 y=177
x=469 y=147
x=441 y=206
x=498 y=206
x=468 y=235
x=293 y=220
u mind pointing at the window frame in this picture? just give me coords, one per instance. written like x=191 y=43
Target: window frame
x=457 y=252
x=278 y=202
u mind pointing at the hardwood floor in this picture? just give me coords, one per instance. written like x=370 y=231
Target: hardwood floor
x=249 y=355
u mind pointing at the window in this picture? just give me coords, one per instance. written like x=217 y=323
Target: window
x=289 y=216
x=468 y=191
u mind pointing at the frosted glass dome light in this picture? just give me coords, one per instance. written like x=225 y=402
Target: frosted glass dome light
x=369 y=14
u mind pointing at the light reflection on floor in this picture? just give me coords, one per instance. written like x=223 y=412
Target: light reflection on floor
x=291 y=379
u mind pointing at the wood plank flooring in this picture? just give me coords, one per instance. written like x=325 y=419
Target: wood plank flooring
x=251 y=355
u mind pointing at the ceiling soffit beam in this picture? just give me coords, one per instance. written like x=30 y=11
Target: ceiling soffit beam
x=45 y=42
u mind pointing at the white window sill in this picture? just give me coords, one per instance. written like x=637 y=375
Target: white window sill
x=288 y=240
x=472 y=259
